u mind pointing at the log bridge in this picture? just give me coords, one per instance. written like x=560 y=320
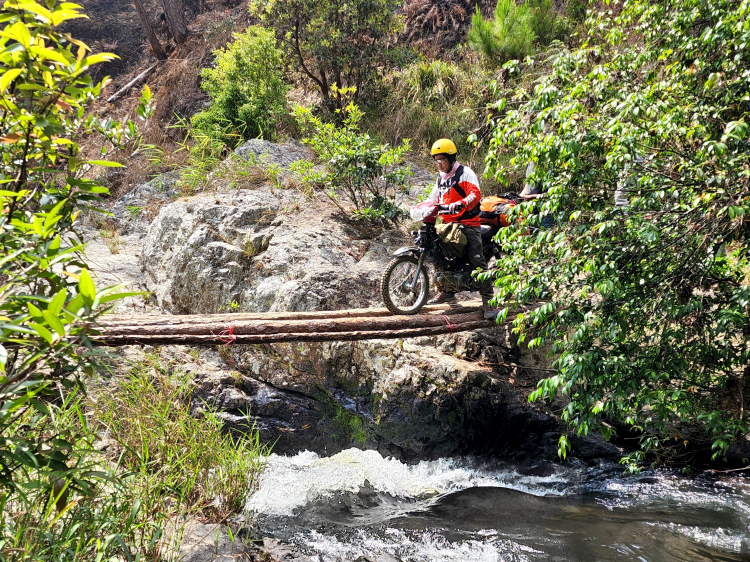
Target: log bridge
x=254 y=328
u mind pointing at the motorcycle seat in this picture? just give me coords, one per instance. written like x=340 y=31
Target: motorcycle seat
x=488 y=231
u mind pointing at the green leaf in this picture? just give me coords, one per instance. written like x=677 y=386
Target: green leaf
x=45 y=334
x=7 y=78
x=106 y=163
x=54 y=322
x=86 y=287
x=55 y=305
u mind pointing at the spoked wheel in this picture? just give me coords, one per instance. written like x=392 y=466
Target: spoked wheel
x=400 y=294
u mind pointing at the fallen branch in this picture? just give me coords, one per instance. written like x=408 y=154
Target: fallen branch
x=134 y=82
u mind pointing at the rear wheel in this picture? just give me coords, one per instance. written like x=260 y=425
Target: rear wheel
x=397 y=282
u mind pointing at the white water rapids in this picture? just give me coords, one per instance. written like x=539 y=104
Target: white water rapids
x=358 y=505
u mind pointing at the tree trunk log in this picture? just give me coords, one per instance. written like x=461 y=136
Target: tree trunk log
x=154 y=320
x=152 y=39
x=269 y=328
x=174 y=11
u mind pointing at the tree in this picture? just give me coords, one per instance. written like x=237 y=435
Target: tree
x=647 y=306
x=331 y=42
x=508 y=36
x=247 y=89
x=48 y=302
x=152 y=38
x=174 y=13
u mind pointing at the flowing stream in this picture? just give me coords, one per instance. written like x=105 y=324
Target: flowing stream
x=358 y=504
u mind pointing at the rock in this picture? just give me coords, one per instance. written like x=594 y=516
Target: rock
x=134 y=211
x=204 y=253
x=211 y=543
x=270 y=154
x=277 y=551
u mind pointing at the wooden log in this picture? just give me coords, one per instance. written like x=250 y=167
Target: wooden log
x=267 y=327
x=213 y=339
x=347 y=325
x=112 y=320
x=134 y=82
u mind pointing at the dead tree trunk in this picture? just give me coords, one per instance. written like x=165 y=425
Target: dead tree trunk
x=152 y=39
x=119 y=330
x=174 y=11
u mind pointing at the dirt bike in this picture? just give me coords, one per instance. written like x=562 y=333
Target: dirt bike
x=405 y=285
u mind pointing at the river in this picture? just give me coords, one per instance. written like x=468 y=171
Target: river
x=359 y=504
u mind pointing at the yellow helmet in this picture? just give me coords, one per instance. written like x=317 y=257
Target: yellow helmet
x=444 y=146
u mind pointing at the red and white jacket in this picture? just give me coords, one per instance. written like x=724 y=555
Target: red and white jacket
x=452 y=188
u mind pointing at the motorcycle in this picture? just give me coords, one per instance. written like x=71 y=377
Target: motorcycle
x=405 y=285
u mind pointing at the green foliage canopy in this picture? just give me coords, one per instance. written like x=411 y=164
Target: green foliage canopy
x=48 y=301
x=645 y=304
x=329 y=42
x=247 y=89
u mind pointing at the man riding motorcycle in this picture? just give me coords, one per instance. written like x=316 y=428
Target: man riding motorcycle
x=457 y=187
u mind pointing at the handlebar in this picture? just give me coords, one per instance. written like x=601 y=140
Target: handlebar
x=443 y=209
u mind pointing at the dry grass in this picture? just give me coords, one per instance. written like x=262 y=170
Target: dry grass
x=111 y=238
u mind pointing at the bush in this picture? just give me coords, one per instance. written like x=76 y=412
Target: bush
x=362 y=177
x=546 y=24
x=51 y=485
x=88 y=511
x=649 y=315
x=48 y=302
x=430 y=100
x=247 y=90
x=508 y=36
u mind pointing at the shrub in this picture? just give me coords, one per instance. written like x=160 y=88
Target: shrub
x=508 y=36
x=50 y=484
x=545 y=23
x=432 y=82
x=47 y=298
x=87 y=511
x=430 y=100
x=648 y=313
x=362 y=177
x=247 y=90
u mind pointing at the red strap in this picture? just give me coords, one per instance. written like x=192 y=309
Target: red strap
x=451 y=327
x=226 y=336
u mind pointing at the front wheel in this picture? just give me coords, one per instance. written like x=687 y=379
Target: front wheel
x=400 y=293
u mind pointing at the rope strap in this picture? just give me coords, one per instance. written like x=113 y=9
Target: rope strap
x=451 y=327
x=226 y=336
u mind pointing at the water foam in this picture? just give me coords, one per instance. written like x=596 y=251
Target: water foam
x=411 y=546
x=288 y=483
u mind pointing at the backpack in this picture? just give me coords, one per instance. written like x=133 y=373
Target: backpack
x=494 y=210
x=453 y=237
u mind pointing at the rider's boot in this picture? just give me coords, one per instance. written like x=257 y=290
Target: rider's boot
x=490 y=312
x=441 y=298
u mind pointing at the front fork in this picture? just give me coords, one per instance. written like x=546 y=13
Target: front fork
x=420 y=264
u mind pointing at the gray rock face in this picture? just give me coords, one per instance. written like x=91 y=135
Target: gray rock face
x=204 y=253
x=134 y=211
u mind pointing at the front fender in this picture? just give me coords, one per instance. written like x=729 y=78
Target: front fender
x=407 y=250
